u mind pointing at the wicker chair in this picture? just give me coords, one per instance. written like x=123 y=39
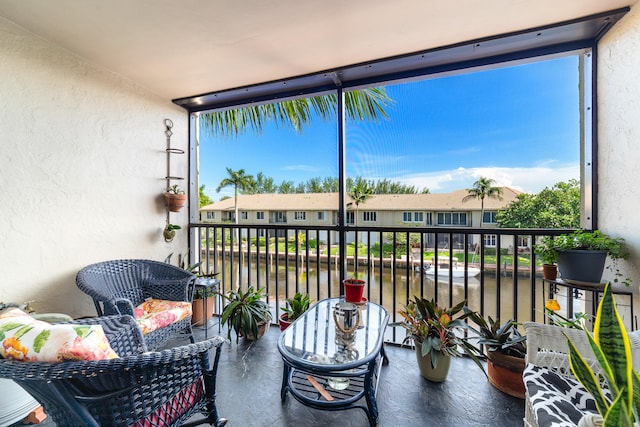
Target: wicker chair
x=138 y=389
x=117 y=287
x=547 y=347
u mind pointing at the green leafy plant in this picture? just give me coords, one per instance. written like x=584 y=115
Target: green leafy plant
x=170 y=232
x=243 y=311
x=592 y=241
x=596 y=240
x=546 y=249
x=175 y=189
x=505 y=339
x=202 y=292
x=576 y=322
x=182 y=263
x=296 y=306
x=612 y=349
x=437 y=330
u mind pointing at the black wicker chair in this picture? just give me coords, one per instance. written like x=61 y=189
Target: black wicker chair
x=118 y=286
x=163 y=388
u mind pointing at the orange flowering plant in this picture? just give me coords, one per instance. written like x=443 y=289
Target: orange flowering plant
x=439 y=331
x=551 y=308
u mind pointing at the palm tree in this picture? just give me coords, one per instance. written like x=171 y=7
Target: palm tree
x=483 y=188
x=238 y=180
x=364 y=104
x=360 y=192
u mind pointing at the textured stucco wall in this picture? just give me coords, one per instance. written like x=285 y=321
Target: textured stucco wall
x=82 y=168
x=619 y=136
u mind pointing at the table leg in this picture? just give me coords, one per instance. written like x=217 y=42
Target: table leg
x=285 y=381
x=370 y=395
x=205 y=321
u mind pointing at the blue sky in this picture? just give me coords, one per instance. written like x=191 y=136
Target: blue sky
x=518 y=125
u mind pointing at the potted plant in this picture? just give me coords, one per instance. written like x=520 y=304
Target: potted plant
x=175 y=198
x=582 y=255
x=295 y=307
x=246 y=313
x=506 y=348
x=435 y=332
x=170 y=232
x=353 y=290
x=616 y=395
x=546 y=250
x=203 y=299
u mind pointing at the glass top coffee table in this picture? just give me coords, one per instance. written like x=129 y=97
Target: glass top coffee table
x=332 y=366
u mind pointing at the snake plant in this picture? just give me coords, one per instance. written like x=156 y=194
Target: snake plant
x=611 y=346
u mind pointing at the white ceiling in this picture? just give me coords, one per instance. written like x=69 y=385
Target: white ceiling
x=181 y=48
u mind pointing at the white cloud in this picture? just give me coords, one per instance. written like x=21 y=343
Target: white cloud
x=529 y=180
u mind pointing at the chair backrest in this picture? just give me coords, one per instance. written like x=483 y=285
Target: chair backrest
x=109 y=280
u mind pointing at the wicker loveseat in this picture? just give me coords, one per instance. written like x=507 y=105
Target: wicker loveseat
x=137 y=389
x=121 y=286
x=553 y=395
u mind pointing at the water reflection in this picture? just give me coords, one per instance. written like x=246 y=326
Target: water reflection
x=485 y=292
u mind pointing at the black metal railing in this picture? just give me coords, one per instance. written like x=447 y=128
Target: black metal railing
x=396 y=263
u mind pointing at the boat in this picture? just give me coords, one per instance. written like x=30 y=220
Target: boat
x=444 y=270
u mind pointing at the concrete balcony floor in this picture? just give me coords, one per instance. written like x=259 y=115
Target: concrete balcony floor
x=250 y=374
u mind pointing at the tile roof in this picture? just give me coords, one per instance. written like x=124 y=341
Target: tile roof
x=329 y=201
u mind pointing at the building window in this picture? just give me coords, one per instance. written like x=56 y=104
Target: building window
x=369 y=216
x=429 y=218
x=299 y=215
x=351 y=218
x=490 y=240
x=452 y=218
x=211 y=215
x=412 y=217
x=260 y=215
x=228 y=216
x=321 y=216
x=489 y=217
x=523 y=242
x=244 y=215
x=280 y=217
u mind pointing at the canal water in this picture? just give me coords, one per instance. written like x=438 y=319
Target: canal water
x=486 y=292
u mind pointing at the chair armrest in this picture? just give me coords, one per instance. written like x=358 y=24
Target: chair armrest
x=169 y=289
x=122 y=332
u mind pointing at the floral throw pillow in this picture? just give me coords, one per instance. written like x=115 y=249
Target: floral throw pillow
x=30 y=340
x=154 y=314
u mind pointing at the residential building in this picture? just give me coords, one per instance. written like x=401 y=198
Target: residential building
x=381 y=210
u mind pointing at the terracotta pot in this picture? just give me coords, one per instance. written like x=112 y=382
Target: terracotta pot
x=263 y=328
x=353 y=290
x=284 y=322
x=175 y=202
x=505 y=373
x=197 y=308
x=437 y=374
x=550 y=271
